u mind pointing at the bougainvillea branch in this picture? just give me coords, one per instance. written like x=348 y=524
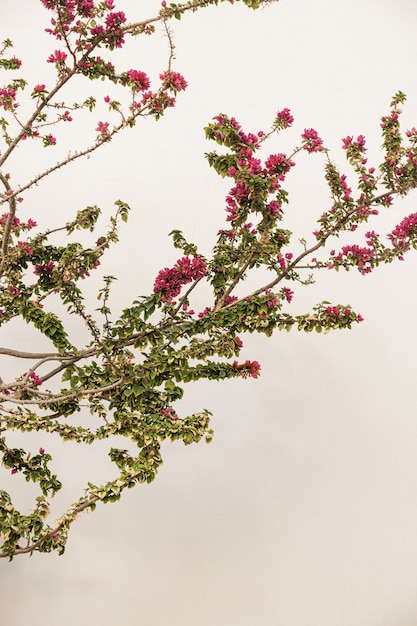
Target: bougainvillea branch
x=126 y=378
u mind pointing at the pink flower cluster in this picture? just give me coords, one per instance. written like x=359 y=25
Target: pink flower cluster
x=35 y=378
x=278 y=164
x=69 y=10
x=111 y=32
x=359 y=143
x=311 y=140
x=139 y=80
x=288 y=294
x=7 y=99
x=25 y=246
x=248 y=368
x=336 y=311
x=249 y=172
x=401 y=234
x=169 y=281
x=168 y=412
x=358 y=256
x=333 y=311
x=17 y=223
x=49 y=140
x=284 y=118
x=174 y=81
x=57 y=57
x=250 y=141
x=103 y=128
x=44 y=268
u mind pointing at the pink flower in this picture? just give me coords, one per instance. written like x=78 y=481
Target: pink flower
x=57 y=57
x=26 y=247
x=238 y=343
x=311 y=140
x=103 y=128
x=36 y=379
x=399 y=237
x=139 y=80
x=361 y=257
x=248 y=368
x=333 y=311
x=284 y=118
x=274 y=207
x=174 y=81
x=278 y=164
x=7 y=98
x=44 y=268
x=114 y=22
x=282 y=262
x=169 y=413
x=39 y=88
x=288 y=294
x=49 y=140
x=169 y=281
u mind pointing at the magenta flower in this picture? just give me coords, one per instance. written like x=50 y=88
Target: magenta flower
x=288 y=294
x=170 y=280
x=174 y=80
x=274 y=207
x=103 y=128
x=57 y=57
x=403 y=231
x=44 y=268
x=238 y=343
x=25 y=246
x=360 y=256
x=284 y=118
x=278 y=164
x=35 y=378
x=311 y=140
x=49 y=140
x=114 y=22
x=333 y=311
x=139 y=80
x=248 y=368
x=7 y=98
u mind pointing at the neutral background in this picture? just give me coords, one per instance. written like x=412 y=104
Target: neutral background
x=303 y=510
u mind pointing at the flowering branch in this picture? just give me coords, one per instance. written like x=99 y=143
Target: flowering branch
x=132 y=371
